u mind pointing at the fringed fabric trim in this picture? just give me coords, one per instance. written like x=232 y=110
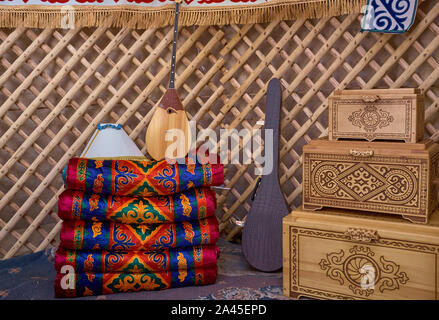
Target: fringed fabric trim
x=137 y=17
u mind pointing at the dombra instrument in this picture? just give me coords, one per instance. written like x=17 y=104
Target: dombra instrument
x=168 y=134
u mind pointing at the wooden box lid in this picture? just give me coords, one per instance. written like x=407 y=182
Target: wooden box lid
x=420 y=149
x=379 y=92
x=386 y=226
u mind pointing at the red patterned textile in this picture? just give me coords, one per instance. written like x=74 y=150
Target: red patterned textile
x=193 y=204
x=139 y=178
x=87 y=284
x=101 y=261
x=97 y=235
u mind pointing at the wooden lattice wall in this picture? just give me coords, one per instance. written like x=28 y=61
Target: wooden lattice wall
x=56 y=85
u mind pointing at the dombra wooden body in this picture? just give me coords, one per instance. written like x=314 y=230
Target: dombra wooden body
x=387 y=177
x=335 y=254
x=169 y=119
x=387 y=114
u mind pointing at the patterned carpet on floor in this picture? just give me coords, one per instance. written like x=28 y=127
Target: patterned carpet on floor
x=31 y=277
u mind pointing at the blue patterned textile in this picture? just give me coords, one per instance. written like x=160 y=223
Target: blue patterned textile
x=389 y=16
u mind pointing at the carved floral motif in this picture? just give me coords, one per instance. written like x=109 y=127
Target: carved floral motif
x=370 y=118
x=362 y=271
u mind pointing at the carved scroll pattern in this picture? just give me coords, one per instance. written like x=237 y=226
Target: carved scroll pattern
x=378 y=183
x=362 y=271
x=366 y=182
x=370 y=118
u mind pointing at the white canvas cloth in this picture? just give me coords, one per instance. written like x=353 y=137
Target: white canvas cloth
x=110 y=141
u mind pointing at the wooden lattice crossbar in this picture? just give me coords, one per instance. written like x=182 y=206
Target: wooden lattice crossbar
x=57 y=85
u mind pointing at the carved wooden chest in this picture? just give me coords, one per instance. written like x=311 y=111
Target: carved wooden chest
x=388 y=114
x=334 y=255
x=387 y=177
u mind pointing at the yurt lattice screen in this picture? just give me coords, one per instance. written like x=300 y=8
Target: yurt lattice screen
x=57 y=85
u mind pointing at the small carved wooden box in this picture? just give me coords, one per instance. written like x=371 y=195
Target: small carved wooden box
x=387 y=114
x=386 y=177
x=335 y=255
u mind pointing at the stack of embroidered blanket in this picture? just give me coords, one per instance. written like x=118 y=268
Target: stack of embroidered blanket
x=131 y=225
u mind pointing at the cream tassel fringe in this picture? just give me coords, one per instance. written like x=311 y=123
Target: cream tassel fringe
x=143 y=18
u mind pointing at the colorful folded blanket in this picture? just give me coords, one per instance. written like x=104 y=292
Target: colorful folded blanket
x=87 y=284
x=98 y=235
x=193 y=204
x=101 y=261
x=139 y=178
